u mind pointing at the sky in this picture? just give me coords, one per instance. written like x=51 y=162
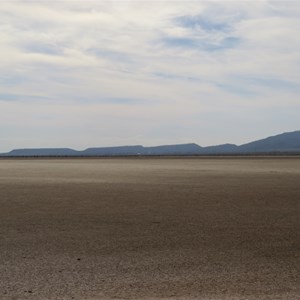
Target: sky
x=89 y=73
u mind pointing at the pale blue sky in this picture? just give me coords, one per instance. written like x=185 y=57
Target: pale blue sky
x=102 y=73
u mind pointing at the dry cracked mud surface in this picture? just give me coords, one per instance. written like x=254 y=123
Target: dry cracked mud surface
x=149 y=228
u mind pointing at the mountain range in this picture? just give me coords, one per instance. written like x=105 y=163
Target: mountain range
x=288 y=142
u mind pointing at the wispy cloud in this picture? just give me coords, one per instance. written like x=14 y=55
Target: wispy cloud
x=20 y=98
x=135 y=67
x=42 y=48
x=199 y=22
x=202 y=45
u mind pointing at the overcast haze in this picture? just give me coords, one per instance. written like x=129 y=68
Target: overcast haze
x=105 y=73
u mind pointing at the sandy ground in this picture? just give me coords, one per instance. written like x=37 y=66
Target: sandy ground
x=150 y=228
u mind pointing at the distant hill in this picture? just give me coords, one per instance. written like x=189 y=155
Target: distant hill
x=288 y=142
x=225 y=148
x=123 y=150
x=42 y=152
x=140 y=150
x=174 y=149
x=285 y=142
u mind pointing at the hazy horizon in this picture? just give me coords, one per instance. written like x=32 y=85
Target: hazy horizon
x=80 y=74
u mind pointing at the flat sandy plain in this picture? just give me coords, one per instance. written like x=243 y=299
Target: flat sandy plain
x=149 y=228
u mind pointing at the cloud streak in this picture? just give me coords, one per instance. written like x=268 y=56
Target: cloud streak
x=159 y=71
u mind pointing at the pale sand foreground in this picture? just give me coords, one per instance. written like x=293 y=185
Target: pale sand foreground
x=149 y=228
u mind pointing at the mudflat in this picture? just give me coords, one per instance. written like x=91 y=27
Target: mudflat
x=149 y=228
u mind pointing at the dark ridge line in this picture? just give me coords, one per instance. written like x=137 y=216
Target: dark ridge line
x=287 y=143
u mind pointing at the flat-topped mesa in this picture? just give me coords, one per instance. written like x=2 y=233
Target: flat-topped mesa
x=42 y=152
x=182 y=149
x=121 y=150
x=224 y=148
